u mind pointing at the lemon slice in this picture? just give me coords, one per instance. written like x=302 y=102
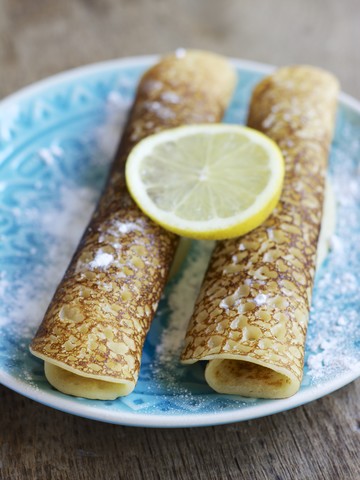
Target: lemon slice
x=206 y=181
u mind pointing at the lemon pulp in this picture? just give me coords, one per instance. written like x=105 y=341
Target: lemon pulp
x=206 y=181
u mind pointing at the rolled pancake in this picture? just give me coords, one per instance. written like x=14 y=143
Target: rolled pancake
x=251 y=316
x=93 y=332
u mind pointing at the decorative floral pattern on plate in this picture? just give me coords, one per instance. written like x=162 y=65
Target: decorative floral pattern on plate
x=56 y=143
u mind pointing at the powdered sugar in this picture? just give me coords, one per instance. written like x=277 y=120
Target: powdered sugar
x=181 y=301
x=333 y=339
x=170 y=97
x=127 y=227
x=159 y=110
x=101 y=260
x=108 y=134
x=181 y=295
x=117 y=228
x=56 y=227
x=63 y=226
x=53 y=229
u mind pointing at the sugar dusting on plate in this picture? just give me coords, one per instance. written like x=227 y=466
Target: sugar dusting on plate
x=63 y=226
x=181 y=300
x=62 y=223
x=333 y=343
x=333 y=340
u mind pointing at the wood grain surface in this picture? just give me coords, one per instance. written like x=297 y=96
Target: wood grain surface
x=320 y=440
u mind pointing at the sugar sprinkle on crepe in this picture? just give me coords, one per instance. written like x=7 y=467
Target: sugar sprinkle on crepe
x=331 y=343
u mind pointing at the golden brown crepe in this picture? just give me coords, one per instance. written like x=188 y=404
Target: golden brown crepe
x=92 y=335
x=251 y=315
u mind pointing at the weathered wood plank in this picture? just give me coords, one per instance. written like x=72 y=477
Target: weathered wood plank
x=317 y=441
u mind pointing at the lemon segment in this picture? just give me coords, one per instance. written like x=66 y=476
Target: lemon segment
x=206 y=181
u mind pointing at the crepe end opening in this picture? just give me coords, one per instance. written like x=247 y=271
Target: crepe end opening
x=241 y=377
x=73 y=384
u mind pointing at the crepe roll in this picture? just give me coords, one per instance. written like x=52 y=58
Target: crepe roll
x=252 y=312
x=93 y=332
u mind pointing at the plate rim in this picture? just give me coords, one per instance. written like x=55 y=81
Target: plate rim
x=142 y=60
x=179 y=420
x=162 y=420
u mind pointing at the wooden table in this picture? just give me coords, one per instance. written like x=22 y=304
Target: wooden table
x=318 y=441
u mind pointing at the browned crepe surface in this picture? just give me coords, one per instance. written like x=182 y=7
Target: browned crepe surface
x=251 y=315
x=97 y=321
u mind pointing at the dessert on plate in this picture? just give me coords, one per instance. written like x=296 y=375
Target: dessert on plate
x=93 y=332
x=251 y=315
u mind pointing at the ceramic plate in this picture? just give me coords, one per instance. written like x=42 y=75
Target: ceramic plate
x=56 y=141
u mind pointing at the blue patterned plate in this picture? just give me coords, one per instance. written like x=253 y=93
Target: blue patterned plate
x=56 y=142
